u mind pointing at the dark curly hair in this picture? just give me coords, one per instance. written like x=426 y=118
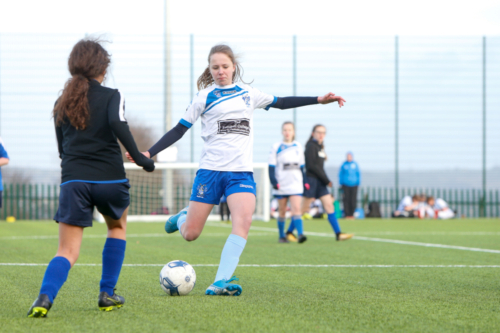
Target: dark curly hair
x=87 y=60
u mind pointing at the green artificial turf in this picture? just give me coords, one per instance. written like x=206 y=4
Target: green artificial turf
x=287 y=297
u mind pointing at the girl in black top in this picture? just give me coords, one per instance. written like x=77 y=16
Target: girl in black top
x=317 y=179
x=88 y=119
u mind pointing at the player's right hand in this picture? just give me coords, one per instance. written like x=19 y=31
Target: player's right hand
x=307 y=186
x=145 y=153
x=276 y=187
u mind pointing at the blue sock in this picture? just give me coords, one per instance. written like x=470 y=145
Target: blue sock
x=180 y=221
x=297 y=221
x=332 y=218
x=291 y=227
x=230 y=257
x=281 y=226
x=55 y=276
x=112 y=260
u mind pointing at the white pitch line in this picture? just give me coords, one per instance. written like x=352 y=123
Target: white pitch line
x=383 y=240
x=128 y=236
x=282 y=265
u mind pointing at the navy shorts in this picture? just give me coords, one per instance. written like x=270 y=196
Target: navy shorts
x=77 y=200
x=209 y=186
x=316 y=188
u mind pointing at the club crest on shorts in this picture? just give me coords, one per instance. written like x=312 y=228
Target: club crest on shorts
x=246 y=99
x=202 y=189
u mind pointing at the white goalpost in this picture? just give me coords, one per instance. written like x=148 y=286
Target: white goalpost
x=157 y=195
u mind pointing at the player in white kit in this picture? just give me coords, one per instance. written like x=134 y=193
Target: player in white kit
x=438 y=209
x=226 y=108
x=286 y=173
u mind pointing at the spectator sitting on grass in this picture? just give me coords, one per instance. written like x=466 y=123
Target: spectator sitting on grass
x=408 y=207
x=438 y=209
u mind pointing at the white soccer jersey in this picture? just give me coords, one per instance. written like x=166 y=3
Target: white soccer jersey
x=288 y=158
x=227 y=124
x=407 y=201
x=440 y=204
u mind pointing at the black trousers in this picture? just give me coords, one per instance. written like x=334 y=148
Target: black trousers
x=224 y=208
x=349 y=198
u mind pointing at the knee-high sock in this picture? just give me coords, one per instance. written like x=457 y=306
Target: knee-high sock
x=112 y=260
x=297 y=221
x=332 y=218
x=55 y=276
x=291 y=227
x=281 y=226
x=180 y=222
x=230 y=257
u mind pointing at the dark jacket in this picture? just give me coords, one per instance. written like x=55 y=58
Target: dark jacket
x=93 y=154
x=315 y=159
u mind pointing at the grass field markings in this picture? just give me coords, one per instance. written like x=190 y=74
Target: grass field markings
x=431 y=233
x=129 y=236
x=382 y=240
x=281 y=265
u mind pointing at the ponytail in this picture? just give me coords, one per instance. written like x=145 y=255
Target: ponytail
x=73 y=103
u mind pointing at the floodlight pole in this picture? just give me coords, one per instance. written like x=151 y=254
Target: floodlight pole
x=294 y=50
x=483 y=210
x=396 y=108
x=191 y=75
x=168 y=186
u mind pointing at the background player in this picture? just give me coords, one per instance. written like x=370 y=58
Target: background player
x=318 y=181
x=4 y=160
x=226 y=109
x=286 y=172
x=88 y=118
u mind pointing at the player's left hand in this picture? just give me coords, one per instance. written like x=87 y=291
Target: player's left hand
x=307 y=186
x=330 y=98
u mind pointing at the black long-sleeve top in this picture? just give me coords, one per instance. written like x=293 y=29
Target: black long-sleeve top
x=315 y=159
x=93 y=154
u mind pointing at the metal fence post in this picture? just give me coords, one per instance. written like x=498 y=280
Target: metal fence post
x=294 y=76
x=482 y=210
x=396 y=110
x=191 y=81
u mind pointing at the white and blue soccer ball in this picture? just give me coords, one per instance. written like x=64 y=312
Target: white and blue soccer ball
x=177 y=278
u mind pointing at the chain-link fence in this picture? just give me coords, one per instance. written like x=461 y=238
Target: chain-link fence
x=421 y=112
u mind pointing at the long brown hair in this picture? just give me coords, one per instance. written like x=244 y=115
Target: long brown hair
x=87 y=60
x=293 y=125
x=206 y=79
x=311 y=137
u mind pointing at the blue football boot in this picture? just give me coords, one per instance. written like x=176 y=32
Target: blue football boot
x=171 y=224
x=224 y=288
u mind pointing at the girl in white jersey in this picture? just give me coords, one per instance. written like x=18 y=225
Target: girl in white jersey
x=286 y=173
x=226 y=109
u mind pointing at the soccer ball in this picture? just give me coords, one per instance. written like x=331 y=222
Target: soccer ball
x=177 y=278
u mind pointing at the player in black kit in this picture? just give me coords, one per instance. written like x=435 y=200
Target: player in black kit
x=88 y=120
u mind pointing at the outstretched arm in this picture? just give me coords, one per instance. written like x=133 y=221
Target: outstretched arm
x=298 y=101
x=168 y=139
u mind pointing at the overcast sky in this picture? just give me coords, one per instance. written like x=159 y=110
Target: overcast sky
x=257 y=17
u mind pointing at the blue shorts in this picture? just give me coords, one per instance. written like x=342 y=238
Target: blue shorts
x=209 y=186
x=316 y=188
x=78 y=199
x=283 y=196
